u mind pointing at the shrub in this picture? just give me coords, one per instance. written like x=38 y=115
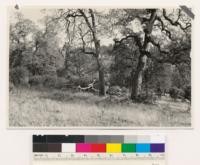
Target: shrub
x=19 y=75
x=61 y=72
x=36 y=80
x=49 y=81
x=62 y=83
x=83 y=81
x=114 y=90
x=150 y=98
x=176 y=93
x=50 y=70
x=187 y=93
x=125 y=90
x=43 y=80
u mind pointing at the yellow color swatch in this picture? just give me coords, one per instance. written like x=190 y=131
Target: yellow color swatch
x=113 y=147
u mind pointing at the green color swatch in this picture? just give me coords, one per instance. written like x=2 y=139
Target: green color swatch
x=128 y=147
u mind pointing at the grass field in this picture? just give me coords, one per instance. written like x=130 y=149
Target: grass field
x=54 y=108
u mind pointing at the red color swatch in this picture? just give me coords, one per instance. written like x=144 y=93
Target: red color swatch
x=98 y=147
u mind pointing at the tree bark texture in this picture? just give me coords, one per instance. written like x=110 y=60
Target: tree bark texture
x=137 y=78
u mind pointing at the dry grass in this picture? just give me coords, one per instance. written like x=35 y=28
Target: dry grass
x=53 y=108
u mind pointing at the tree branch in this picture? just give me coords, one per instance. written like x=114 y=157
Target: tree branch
x=176 y=23
x=73 y=14
x=93 y=19
x=174 y=60
x=163 y=27
x=174 y=56
x=87 y=21
x=134 y=36
x=84 y=44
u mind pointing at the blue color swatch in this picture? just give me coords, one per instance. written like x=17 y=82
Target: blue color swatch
x=143 y=147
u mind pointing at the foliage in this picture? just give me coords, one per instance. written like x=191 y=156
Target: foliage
x=176 y=93
x=49 y=80
x=61 y=83
x=68 y=50
x=19 y=75
x=36 y=80
x=188 y=92
x=21 y=33
x=43 y=80
x=125 y=59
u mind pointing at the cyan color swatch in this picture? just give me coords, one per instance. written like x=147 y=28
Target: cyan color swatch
x=143 y=147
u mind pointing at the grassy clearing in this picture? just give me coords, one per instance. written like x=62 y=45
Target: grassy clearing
x=53 y=108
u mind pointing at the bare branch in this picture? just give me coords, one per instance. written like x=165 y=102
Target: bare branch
x=168 y=33
x=73 y=14
x=86 y=20
x=93 y=19
x=83 y=42
x=176 y=23
x=134 y=36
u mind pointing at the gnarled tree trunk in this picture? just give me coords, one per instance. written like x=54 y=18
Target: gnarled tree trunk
x=137 y=79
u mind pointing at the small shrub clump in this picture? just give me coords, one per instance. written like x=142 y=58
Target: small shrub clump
x=187 y=93
x=50 y=80
x=176 y=93
x=19 y=76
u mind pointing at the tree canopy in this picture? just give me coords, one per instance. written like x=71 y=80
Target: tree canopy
x=132 y=48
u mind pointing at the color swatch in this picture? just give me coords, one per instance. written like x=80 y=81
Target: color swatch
x=113 y=147
x=98 y=144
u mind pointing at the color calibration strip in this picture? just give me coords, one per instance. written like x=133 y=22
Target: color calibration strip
x=98 y=146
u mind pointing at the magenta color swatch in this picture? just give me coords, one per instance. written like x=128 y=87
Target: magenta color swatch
x=83 y=147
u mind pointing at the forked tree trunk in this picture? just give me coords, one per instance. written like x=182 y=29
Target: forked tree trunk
x=137 y=78
x=142 y=61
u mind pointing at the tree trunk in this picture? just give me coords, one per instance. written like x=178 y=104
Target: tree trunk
x=137 y=78
x=67 y=55
x=101 y=83
x=92 y=27
x=100 y=69
x=101 y=78
x=142 y=61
